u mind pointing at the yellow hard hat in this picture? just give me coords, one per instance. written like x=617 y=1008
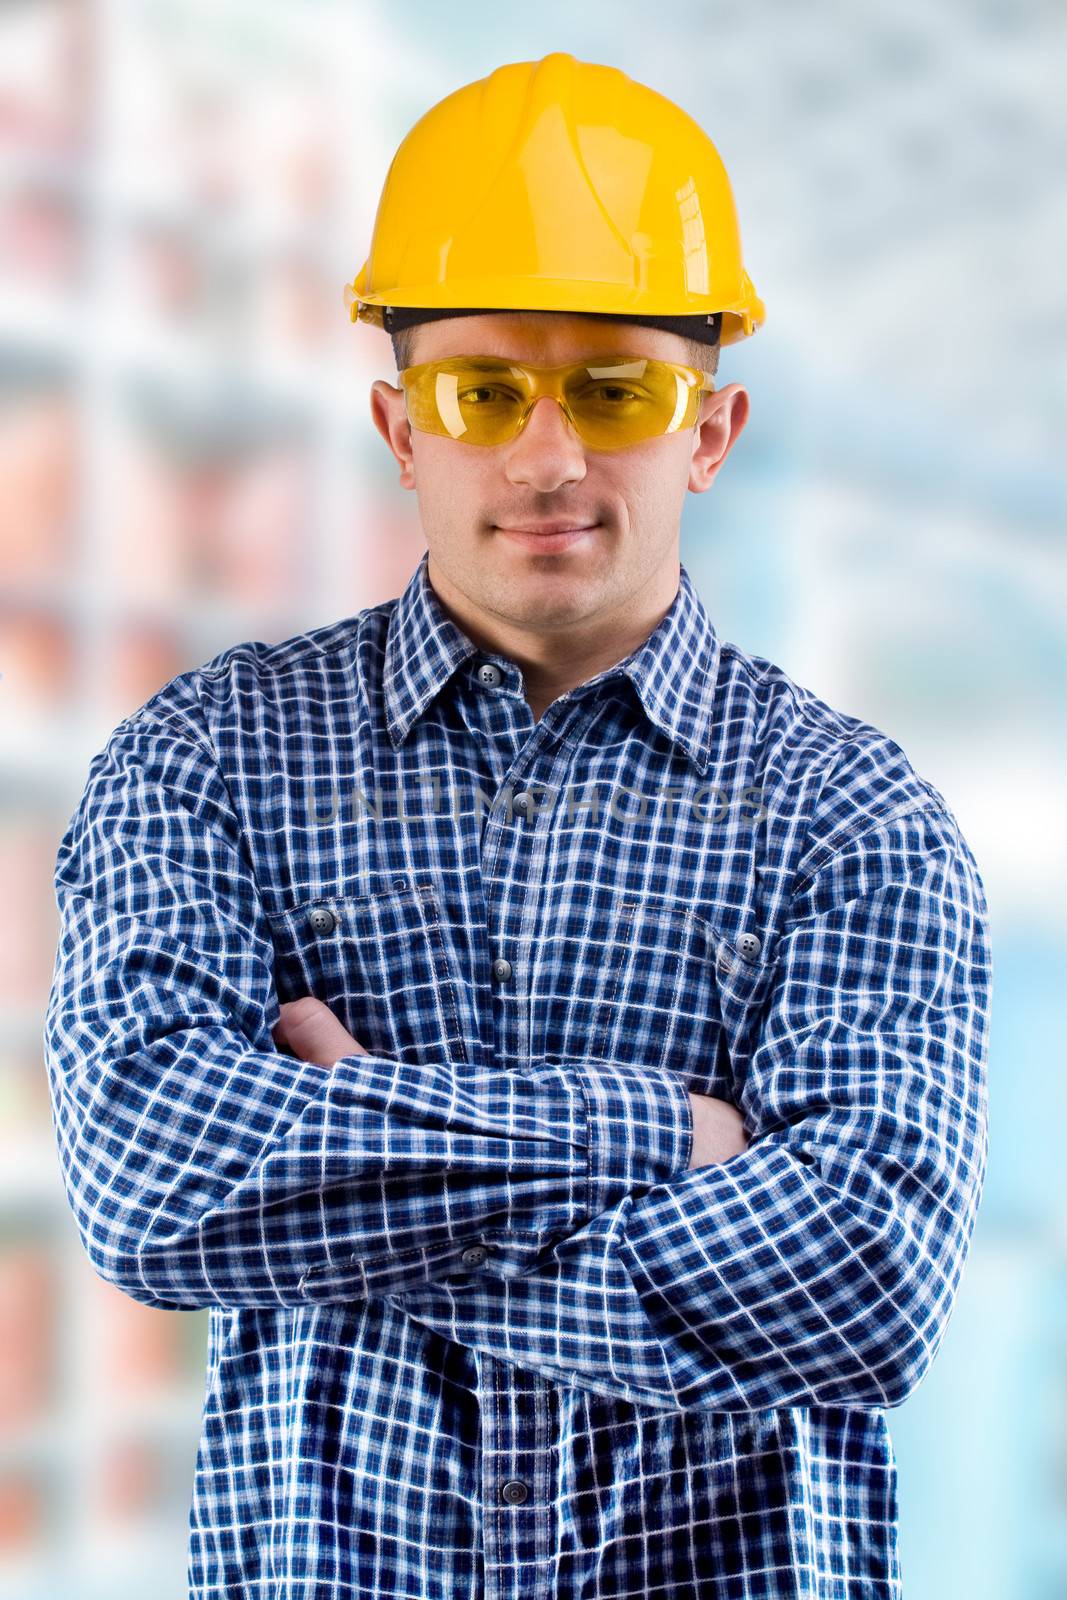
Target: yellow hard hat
x=558 y=185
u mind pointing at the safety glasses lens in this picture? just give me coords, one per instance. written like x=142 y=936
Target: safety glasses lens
x=613 y=403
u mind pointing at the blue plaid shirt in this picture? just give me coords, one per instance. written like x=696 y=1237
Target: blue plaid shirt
x=475 y=1325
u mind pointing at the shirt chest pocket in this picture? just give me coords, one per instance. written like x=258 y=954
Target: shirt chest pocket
x=674 y=990
x=380 y=963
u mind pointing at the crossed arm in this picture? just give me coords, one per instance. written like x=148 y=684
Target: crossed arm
x=816 y=1262
x=308 y=1029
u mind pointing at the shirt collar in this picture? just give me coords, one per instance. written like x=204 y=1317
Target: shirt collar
x=673 y=671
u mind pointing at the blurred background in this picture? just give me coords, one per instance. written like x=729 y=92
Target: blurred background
x=187 y=460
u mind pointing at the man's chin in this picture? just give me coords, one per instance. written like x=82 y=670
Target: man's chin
x=550 y=602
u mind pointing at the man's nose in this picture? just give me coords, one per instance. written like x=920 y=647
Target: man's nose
x=548 y=450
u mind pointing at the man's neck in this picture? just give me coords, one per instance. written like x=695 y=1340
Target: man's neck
x=554 y=661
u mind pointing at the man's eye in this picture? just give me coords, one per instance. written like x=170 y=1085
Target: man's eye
x=485 y=394
x=613 y=392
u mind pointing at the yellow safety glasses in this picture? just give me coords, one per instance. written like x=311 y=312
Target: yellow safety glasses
x=612 y=401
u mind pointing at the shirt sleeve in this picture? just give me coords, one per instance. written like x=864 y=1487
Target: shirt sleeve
x=820 y=1265
x=205 y=1167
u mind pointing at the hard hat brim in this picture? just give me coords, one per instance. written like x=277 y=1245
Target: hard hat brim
x=740 y=317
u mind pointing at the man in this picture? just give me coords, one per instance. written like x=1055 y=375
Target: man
x=548 y=1039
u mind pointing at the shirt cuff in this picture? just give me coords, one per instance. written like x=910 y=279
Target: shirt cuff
x=640 y=1127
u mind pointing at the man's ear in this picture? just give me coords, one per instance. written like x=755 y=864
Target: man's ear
x=391 y=420
x=722 y=416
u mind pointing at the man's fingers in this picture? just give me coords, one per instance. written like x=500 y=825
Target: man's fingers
x=308 y=1029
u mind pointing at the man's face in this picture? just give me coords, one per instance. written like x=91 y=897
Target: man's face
x=628 y=502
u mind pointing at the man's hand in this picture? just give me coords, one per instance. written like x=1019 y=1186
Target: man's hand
x=718 y=1131
x=308 y=1029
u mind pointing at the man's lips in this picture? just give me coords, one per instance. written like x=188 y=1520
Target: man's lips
x=547 y=543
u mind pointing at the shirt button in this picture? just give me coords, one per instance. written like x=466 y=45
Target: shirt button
x=474 y=1255
x=514 y=1492
x=523 y=803
x=502 y=969
x=490 y=674
x=749 y=946
x=322 y=920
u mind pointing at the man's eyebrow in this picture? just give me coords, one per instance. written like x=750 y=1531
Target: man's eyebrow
x=484 y=361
